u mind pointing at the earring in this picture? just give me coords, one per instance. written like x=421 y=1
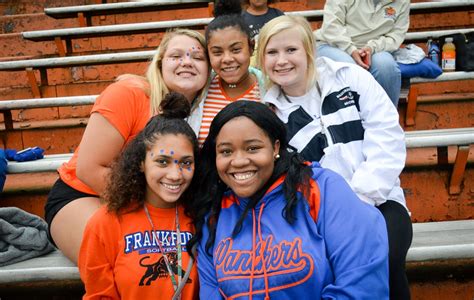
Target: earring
x=277 y=156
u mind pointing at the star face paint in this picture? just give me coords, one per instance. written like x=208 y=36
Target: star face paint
x=168 y=172
x=184 y=71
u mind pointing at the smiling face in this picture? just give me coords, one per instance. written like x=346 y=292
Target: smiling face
x=229 y=54
x=286 y=63
x=185 y=66
x=169 y=169
x=245 y=156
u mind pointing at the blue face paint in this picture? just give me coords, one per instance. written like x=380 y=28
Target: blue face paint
x=162 y=151
x=175 y=161
x=171 y=152
x=189 y=169
x=151 y=154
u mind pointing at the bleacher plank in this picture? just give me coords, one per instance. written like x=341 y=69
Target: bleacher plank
x=121 y=7
x=442 y=241
x=413 y=139
x=439 y=137
x=46 y=102
x=85 y=60
x=149 y=27
x=49 y=163
x=449 y=240
x=49 y=267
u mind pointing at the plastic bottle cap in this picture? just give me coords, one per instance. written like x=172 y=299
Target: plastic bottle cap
x=449 y=40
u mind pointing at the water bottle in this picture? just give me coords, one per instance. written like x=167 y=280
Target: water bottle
x=433 y=51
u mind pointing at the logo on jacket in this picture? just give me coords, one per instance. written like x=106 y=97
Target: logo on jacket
x=284 y=264
x=158 y=269
x=346 y=95
x=390 y=12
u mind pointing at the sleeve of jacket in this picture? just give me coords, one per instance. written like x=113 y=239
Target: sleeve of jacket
x=391 y=41
x=384 y=140
x=208 y=287
x=333 y=30
x=96 y=261
x=356 y=239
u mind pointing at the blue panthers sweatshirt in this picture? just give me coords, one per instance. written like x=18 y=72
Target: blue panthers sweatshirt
x=336 y=248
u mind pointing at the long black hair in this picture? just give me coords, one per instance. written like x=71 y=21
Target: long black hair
x=227 y=13
x=126 y=185
x=210 y=189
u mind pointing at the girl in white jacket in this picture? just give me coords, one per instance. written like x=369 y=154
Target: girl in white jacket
x=336 y=113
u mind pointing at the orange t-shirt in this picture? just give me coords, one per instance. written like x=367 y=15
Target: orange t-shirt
x=217 y=99
x=127 y=108
x=119 y=259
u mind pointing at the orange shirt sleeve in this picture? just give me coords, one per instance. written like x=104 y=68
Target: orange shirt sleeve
x=96 y=258
x=125 y=106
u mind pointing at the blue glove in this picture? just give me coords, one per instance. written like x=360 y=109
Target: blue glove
x=29 y=154
x=3 y=169
x=10 y=154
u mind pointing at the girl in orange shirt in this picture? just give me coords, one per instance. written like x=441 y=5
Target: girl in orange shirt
x=135 y=246
x=120 y=112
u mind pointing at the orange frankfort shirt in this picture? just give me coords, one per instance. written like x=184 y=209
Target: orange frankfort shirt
x=119 y=259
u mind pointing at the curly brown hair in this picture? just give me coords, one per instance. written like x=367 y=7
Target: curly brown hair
x=126 y=185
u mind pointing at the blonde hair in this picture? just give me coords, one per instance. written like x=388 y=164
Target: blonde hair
x=278 y=25
x=153 y=84
x=158 y=88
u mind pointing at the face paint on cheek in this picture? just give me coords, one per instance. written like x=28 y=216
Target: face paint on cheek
x=171 y=152
x=162 y=151
x=152 y=154
x=189 y=169
x=176 y=161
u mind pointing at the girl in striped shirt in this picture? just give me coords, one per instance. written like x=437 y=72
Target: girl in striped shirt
x=230 y=48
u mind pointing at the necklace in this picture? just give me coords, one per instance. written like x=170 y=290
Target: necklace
x=177 y=286
x=234 y=85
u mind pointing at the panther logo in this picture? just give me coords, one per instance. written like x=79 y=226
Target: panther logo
x=158 y=269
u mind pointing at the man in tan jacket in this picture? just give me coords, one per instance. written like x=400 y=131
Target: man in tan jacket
x=365 y=32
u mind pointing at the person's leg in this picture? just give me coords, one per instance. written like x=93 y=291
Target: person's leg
x=386 y=71
x=334 y=53
x=400 y=234
x=69 y=223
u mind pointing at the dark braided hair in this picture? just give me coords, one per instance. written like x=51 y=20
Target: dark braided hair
x=210 y=189
x=126 y=185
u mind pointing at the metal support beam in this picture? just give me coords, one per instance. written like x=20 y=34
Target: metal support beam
x=411 y=106
x=458 y=170
x=32 y=79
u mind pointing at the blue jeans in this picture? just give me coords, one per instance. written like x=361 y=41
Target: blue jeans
x=384 y=69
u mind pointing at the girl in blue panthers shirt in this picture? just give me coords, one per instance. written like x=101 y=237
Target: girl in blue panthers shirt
x=276 y=227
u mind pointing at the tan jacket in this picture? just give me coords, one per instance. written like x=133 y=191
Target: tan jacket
x=353 y=24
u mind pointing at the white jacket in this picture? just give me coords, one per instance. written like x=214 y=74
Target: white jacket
x=358 y=130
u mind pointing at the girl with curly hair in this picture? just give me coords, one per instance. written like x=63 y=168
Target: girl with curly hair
x=134 y=247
